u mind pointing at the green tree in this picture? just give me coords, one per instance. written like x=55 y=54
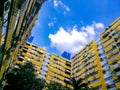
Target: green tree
x=0 y=85
x=23 y=78
x=78 y=84
x=56 y=86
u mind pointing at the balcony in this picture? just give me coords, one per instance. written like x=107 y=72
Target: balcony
x=115 y=25
x=116 y=51
x=112 y=68
x=45 y=68
x=109 y=55
x=109 y=82
x=106 y=67
x=44 y=63
x=116 y=65
x=114 y=77
x=105 y=39
x=119 y=62
x=113 y=88
x=110 y=61
x=43 y=77
x=104 y=62
x=67 y=72
x=68 y=64
x=107 y=74
x=46 y=60
x=118 y=73
x=67 y=80
x=108 y=48
x=117 y=85
x=43 y=72
x=108 y=42
x=118 y=57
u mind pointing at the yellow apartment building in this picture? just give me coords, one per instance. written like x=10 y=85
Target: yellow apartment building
x=59 y=70
x=110 y=54
x=49 y=67
x=87 y=65
x=35 y=55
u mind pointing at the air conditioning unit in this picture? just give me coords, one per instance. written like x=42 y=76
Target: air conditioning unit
x=7 y=5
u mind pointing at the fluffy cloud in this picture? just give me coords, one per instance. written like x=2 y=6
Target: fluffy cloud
x=61 y=4
x=73 y=40
x=52 y=22
x=99 y=25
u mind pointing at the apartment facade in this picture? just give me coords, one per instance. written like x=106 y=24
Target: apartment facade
x=59 y=70
x=109 y=49
x=87 y=65
x=35 y=55
x=16 y=21
x=50 y=67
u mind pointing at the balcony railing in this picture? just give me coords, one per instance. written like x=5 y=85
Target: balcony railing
x=110 y=82
x=106 y=75
x=118 y=73
x=104 y=62
x=116 y=65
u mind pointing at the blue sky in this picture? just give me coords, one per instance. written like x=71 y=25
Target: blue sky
x=68 y=25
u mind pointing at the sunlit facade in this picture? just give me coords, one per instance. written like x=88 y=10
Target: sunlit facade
x=87 y=65
x=50 y=67
x=35 y=55
x=109 y=49
x=59 y=70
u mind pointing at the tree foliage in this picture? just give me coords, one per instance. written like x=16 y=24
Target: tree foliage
x=23 y=78
x=78 y=84
x=56 y=86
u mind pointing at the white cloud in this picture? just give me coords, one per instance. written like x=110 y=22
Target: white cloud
x=55 y=3
x=99 y=25
x=89 y=30
x=61 y=4
x=52 y=22
x=73 y=40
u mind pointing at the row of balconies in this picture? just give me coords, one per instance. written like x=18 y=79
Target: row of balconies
x=108 y=42
x=117 y=85
x=115 y=25
x=115 y=57
x=95 y=81
x=61 y=77
x=84 y=52
x=58 y=71
x=104 y=62
x=108 y=38
x=107 y=74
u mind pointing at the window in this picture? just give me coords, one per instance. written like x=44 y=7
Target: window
x=110 y=86
x=109 y=78
x=98 y=87
x=95 y=80
x=68 y=63
x=21 y=59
